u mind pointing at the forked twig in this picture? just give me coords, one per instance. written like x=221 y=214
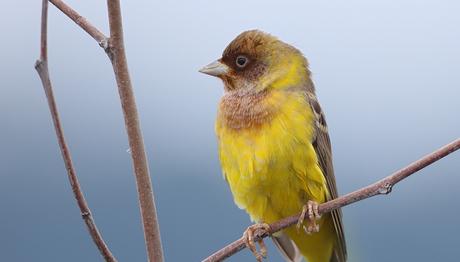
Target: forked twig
x=82 y=22
x=42 y=68
x=114 y=47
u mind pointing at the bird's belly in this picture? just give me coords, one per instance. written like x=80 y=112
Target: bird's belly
x=272 y=171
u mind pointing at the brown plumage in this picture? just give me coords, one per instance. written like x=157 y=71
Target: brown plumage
x=322 y=145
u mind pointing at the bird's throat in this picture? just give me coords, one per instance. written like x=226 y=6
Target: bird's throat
x=243 y=109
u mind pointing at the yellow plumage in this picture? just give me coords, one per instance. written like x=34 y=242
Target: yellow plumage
x=265 y=128
x=272 y=170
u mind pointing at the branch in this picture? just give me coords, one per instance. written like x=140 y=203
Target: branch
x=42 y=68
x=114 y=47
x=141 y=170
x=101 y=39
x=381 y=187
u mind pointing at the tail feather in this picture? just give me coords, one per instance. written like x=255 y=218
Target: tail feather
x=287 y=247
x=337 y=256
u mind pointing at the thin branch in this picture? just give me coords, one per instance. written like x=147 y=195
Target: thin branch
x=136 y=142
x=114 y=47
x=44 y=33
x=42 y=68
x=101 y=39
x=381 y=187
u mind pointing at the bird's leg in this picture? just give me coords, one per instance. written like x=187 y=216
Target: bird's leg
x=310 y=210
x=249 y=240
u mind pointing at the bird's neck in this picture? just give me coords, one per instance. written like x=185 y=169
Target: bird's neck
x=291 y=71
x=252 y=109
x=242 y=109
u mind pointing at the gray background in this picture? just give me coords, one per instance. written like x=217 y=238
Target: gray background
x=387 y=75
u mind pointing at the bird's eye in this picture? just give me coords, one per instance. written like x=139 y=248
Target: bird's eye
x=241 y=61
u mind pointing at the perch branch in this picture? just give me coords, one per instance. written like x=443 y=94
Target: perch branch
x=42 y=68
x=136 y=142
x=381 y=187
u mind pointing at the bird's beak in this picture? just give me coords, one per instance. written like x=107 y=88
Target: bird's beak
x=215 y=68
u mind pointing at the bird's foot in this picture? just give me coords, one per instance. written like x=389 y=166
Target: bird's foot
x=310 y=210
x=249 y=233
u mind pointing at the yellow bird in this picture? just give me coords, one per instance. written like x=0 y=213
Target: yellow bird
x=274 y=146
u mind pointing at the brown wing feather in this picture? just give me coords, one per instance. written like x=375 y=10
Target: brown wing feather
x=322 y=145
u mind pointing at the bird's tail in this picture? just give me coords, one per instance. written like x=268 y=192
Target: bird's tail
x=287 y=248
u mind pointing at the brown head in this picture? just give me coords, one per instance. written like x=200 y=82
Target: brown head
x=256 y=60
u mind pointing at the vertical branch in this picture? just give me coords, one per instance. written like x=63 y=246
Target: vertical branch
x=44 y=33
x=117 y=56
x=42 y=68
x=114 y=47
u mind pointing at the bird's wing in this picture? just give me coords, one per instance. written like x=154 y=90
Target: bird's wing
x=322 y=145
x=287 y=247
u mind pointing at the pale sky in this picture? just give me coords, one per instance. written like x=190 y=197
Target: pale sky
x=386 y=74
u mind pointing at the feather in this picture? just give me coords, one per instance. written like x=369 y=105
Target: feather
x=287 y=248
x=322 y=145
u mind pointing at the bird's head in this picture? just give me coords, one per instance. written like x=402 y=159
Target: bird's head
x=255 y=60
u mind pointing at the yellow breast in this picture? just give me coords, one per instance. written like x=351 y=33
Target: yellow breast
x=266 y=153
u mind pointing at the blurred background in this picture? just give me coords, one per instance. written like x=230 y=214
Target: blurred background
x=387 y=76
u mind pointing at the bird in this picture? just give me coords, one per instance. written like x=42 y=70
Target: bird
x=274 y=147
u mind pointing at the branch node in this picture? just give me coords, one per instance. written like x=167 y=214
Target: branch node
x=85 y=215
x=38 y=64
x=104 y=43
x=109 y=49
x=386 y=188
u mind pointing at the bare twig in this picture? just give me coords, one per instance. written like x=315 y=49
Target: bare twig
x=114 y=47
x=44 y=33
x=42 y=68
x=381 y=187
x=136 y=142
x=101 y=39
